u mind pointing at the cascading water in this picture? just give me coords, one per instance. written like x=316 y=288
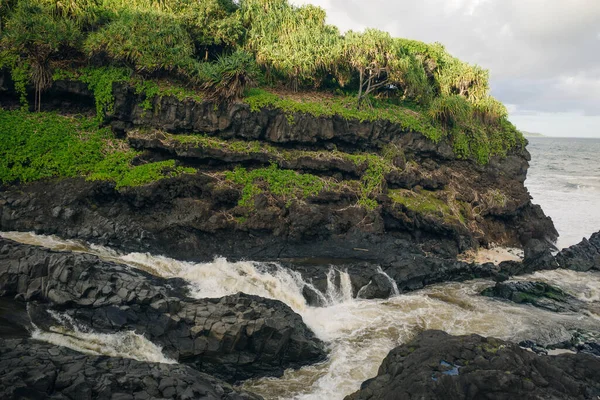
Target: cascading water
x=69 y=333
x=359 y=332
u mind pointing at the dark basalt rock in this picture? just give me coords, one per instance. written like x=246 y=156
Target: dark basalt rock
x=584 y=256
x=234 y=337
x=436 y=365
x=581 y=341
x=407 y=272
x=538 y=255
x=34 y=370
x=196 y=217
x=539 y=294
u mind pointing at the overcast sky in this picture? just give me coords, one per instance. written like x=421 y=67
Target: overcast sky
x=543 y=55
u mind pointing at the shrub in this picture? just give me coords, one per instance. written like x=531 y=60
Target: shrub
x=490 y=110
x=36 y=34
x=293 y=42
x=451 y=111
x=229 y=76
x=148 y=41
x=211 y=22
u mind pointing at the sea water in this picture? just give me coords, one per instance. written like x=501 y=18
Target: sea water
x=564 y=178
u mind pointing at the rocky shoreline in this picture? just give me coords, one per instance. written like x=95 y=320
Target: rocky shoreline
x=240 y=336
x=436 y=365
x=399 y=245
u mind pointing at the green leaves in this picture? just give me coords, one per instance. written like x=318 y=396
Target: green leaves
x=46 y=145
x=280 y=182
x=148 y=41
x=228 y=77
x=293 y=42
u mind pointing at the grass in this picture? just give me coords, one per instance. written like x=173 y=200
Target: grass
x=235 y=146
x=35 y=146
x=426 y=202
x=285 y=183
x=345 y=107
x=372 y=181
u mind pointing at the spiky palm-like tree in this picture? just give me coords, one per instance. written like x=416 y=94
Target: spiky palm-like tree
x=36 y=34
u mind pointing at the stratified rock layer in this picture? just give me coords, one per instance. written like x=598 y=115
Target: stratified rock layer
x=459 y=204
x=436 y=365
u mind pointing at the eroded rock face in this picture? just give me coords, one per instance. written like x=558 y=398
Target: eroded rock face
x=436 y=365
x=197 y=217
x=234 y=337
x=35 y=370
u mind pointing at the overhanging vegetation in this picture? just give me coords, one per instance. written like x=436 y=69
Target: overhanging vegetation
x=219 y=49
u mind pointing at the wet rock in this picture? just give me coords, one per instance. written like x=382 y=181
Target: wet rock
x=539 y=294
x=584 y=256
x=436 y=365
x=581 y=341
x=234 y=337
x=14 y=320
x=538 y=255
x=35 y=370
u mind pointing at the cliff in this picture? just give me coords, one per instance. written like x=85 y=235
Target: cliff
x=274 y=184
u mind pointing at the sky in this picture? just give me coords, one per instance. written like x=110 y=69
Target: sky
x=543 y=55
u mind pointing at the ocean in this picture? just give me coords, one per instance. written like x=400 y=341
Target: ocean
x=564 y=178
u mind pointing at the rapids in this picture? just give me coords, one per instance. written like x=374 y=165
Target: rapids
x=359 y=332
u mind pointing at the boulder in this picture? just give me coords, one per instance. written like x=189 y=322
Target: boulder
x=539 y=294
x=436 y=365
x=35 y=370
x=584 y=256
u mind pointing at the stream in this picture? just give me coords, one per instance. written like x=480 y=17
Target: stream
x=359 y=333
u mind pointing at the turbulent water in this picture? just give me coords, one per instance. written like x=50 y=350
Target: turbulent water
x=359 y=332
x=564 y=179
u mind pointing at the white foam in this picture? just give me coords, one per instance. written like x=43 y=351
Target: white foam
x=68 y=333
x=359 y=332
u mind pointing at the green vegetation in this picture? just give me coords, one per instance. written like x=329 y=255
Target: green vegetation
x=280 y=182
x=427 y=203
x=227 y=78
x=35 y=146
x=222 y=48
x=236 y=146
x=36 y=34
x=345 y=107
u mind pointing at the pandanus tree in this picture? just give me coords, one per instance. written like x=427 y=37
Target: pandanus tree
x=294 y=42
x=371 y=54
x=36 y=33
x=148 y=41
x=212 y=24
x=226 y=79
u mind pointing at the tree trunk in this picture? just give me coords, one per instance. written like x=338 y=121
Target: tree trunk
x=360 y=87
